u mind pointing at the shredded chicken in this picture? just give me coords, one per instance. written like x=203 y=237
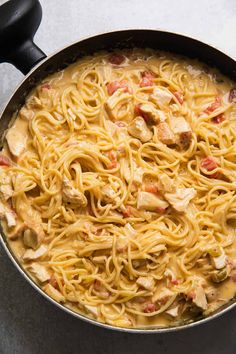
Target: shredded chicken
x=26 y=114
x=150 y=201
x=72 y=195
x=146 y=282
x=173 y=312
x=6 y=190
x=166 y=183
x=181 y=198
x=161 y=97
x=40 y=272
x=165 y=135
x=30 y=254
x=92 y=309
x=199 y=298
x=139 y=129
x=182 y=129
x=7 y=214
x=16 y=142
x=152 y=114
x=119 y=96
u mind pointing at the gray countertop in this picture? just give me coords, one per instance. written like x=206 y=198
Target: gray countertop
x=30 y=324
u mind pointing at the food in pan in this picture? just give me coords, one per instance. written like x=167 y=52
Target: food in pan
x=118 y=188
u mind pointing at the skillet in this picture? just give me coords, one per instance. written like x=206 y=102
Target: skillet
x=19 y=20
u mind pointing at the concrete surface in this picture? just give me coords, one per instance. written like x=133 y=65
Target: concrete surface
x=28 y=323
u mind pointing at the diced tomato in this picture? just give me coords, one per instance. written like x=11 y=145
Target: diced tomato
x=210 y=164
x=148 y=74
x=147 y=79
x=145 y=82
x=232 y=95
x=4 y=161
x=179 y=96
x=53 y=282
x=218 y=119
x=216 y=104
x=233 y=277
x=174 y=281
x=115 y=85
x=120 y=124
x=149 y=308
x=112 y=157
x=127 y=212
x=116 y=59
x=151 y=188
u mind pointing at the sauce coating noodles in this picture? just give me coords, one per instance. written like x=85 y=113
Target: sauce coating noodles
x=117 y=188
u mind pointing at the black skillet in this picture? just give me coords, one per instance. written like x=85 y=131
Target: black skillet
x=19 y=20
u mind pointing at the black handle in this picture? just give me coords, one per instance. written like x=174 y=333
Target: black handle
x=19 y=20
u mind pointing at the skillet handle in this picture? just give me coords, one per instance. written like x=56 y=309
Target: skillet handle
x=19 y=20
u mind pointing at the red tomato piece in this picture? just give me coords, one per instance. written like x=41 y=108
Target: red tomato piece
x=112 y=157
x=115 y=85
x=210 y=164
x=179 y=96
x=116 y=59
x=149 y=308
x=218 y=119
x=216 y=104
x=4 y=161
x=151 y=188
x=127 y=212
x=145 y=82
x=53 y=282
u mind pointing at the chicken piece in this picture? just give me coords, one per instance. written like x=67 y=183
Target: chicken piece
x=199 y=298
x=118 y=97
x=6 y=190
x=123 y=240
x=162 y=296
x=211 y=294
x=109 y=195
x=54 y=293
x=10 y=219
x=150 y=201
x=32 y=220
x=146 y=282
x=30 y=254
x=16 y=142
x=17 y=231
x=181 y=198
x=7 y=214
x=26 y=114
x=92 y=309
x=161 y=97
x=32 y=238
x=173 y=312
x=72 y=195
x=218 y=257
x=151 y=114
x=138 y=172
x=182 y=129
x=34 y=102
x=166 y=183
x=40 y=272
x=164 y=133
x=99 y=260
x=138 y=129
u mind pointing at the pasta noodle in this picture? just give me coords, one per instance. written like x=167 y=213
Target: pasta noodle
x=117 y=188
